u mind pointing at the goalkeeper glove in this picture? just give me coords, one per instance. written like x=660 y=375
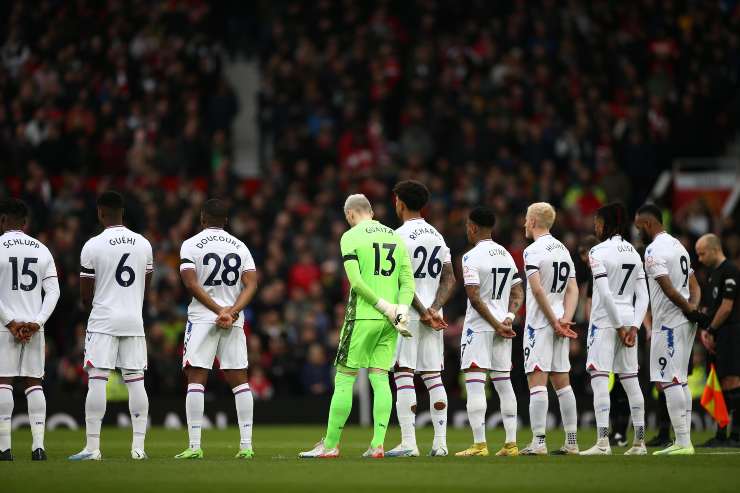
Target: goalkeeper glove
x=397 y=314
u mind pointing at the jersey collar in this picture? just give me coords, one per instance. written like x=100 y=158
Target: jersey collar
x=115 y=226
x=483 y=241
x=414 y=219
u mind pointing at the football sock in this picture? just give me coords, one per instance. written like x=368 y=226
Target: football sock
x=676 y=403
x=138 y=406
x=569 y=414
x=244 y=402
x=194 y=403
x=602 y=405
x=437 y=408
x=95 y=406
x=36 y=414
x=341 y=405
x=689 y=405
x=631 y=385
x=538 y=403
x=382 y=406
x=405 y=405
x=475 y=386
x=6 y=411
x=502 y=383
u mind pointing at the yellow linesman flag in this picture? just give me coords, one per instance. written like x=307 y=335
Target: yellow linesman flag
x=713 y=401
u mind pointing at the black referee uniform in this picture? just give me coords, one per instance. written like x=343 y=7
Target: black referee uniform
x=723 y=285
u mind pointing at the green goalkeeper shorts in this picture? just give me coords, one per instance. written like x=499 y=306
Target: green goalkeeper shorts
x=367 y=344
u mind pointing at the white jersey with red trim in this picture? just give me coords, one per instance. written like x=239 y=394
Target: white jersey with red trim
x=428 y=252
x=552 y=260
x=618 y=261
x=218 y=259
x=666 y=256
x=118 y=260
x=490 y=266
x=25 y=264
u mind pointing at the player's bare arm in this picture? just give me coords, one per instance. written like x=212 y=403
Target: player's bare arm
x=672 y=294
x=190 y=280
x=87 y=291
x=516 y=298
x=473 y=293
x=541 y=298
x=249 y=281
x=447 y=285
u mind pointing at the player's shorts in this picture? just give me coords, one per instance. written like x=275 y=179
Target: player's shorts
x=367 y=344
x=485 y=350
x=545 y=351
x=205 y=341
x=607 y=353
x=728 y=351
x=670 y=350
x=22 y=360
x=422 y=352
x=109 y=352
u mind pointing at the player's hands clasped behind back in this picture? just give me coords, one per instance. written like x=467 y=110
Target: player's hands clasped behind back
x=397 y=314
x=562 y=328
x=628 y=335
x=226 y=318
x=23 y=331
x=506 y=329
x=433 y=319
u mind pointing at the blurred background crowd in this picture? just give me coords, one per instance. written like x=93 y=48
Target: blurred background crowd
x=504 y=103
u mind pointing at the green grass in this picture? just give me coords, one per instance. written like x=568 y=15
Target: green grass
x=276 y=467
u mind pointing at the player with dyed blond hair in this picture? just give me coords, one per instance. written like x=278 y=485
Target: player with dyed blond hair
x=552 y=298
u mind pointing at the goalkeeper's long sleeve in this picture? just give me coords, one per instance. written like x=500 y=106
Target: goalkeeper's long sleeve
x=352 y=268
x=406 y=284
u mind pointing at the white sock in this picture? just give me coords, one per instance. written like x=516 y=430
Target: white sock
x=538 y=403
x=138 y=405
x=6 y=412
x=602 y=405
x=676 y=402
x=244 y=402
x=405 y=405
x=502 y=383
x=475 y=385
x=437 y=399
x=631 y=385
x=569 y=414
x=36 y=414
x=194 y=412
x=95 y=403
x=689 y=406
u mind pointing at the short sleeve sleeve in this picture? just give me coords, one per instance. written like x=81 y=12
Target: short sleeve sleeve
x=532 y=260
x=655 y=266
x=729 y=285
x=470 y=271
x=51 y=268
x=516 y=278
x=247 y=260
x=187 y=259
x=447 y=258
x=640 y=272
x=598 y=269
x=149 y=258
x=87 y=266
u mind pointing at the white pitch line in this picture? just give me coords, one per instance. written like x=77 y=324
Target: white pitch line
x=719 y=453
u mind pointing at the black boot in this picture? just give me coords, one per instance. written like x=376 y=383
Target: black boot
x=38 y=454
x=6 y=455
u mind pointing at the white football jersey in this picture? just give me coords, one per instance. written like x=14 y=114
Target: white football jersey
x=552 y=260
x=219 y=259
x=428 y=252
x=666 y=256
x=618 y=261
x=25 y=263
x=490 y=266
x=119 y=261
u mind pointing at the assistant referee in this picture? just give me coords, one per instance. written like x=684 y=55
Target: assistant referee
x=722 y=336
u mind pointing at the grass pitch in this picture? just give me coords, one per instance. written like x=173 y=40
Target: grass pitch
x=277 y=468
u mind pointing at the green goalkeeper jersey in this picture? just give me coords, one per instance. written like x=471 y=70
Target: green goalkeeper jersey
x=377 y=266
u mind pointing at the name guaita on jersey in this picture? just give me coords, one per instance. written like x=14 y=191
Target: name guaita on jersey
x=21 y=242
x=379 y=228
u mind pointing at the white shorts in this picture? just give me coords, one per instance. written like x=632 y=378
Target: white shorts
x=544 y=351
x=422 y=352
x=670 y=350
x=485 y=350
x=205 y=342
x=109 y=352
x=607 y=353
x=22 y=360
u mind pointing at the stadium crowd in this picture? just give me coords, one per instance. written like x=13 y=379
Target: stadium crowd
x=503 y=103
